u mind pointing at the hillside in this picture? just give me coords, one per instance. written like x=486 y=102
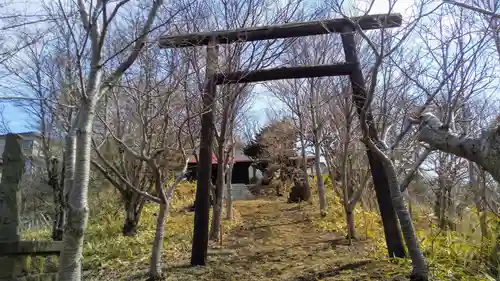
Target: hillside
x=268 y=239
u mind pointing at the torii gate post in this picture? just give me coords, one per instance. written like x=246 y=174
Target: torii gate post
x=351 y=67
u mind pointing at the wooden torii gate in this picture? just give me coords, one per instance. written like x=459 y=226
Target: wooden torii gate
x=213 y=78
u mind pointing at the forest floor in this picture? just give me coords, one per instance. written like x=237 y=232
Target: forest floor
x=273 y=241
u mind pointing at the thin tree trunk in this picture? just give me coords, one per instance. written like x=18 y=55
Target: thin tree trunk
x=346 y=179
x=70 y=268
x=351 y=228
x=229 y=186
x=303 y=153
x=155 y=268
x=58 y=195
x=406 y=194
x=481 y=208
x=314 y=107
x=219 y=189
x=494 y=260
x=304 y=163
x=323 y=206
x=345 y=183
x=133 y=209
x=442 y=204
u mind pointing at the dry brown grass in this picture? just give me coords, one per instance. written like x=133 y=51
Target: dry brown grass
x=275 y=241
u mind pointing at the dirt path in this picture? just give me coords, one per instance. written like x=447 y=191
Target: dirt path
x=278 y=241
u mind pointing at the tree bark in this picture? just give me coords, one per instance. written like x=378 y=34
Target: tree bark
x=480 y=199
x=346 y=182
x=304 y=159
x=133 y=208
x=155 y=266
x=483 y=150
x=351 y=228
x=323 y=206
x=229 y=186
x=494 y=260
x=58 y=195
x=219 y=190
x=314 y=107
x=70 y=268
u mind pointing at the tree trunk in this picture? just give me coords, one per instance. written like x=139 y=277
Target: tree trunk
x=480 y=204
x=494 y=260
x=219 y=190
x=70 y=268
x=133 y=207
x=314 y=107
x=351 y=228
x=321 y=185
x=440 y=208
x=304 y=159
x=406 y=194
x=58 y=195
x=229 y=186
x=155 y=267
x=345 y=184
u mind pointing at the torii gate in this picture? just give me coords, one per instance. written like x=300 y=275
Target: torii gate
x=351 y=67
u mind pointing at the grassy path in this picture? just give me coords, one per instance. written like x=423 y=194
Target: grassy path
x=278 y=241
x=275 y=241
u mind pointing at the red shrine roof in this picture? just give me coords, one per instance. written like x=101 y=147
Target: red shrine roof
x=239 y=158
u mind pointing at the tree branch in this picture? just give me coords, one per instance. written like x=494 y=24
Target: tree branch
x=473 y=8
x=138 y=46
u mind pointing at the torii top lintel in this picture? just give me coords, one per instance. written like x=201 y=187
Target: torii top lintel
x=296 y=29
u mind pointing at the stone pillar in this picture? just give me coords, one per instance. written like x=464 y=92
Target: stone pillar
x=10 y=202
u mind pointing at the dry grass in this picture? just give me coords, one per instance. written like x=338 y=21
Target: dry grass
x=275 y=241
x=267 y=240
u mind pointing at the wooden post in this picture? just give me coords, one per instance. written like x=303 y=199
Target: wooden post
x=201 y=216
x=393 y=237
x=10 y=202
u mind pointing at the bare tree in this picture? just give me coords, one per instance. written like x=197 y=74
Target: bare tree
x=383 y=150
x=343 y=154
x=88 y=38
